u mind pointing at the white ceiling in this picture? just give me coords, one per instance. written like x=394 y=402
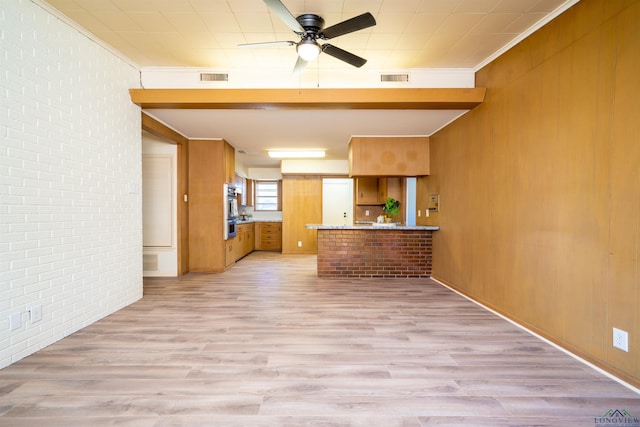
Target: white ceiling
x=410 y=34
x=254 y=131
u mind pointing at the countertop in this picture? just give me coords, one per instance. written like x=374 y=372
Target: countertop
x=249 y=221
x=373 y=227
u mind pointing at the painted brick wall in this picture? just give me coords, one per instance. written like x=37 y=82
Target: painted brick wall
x=374 y=253
x=70 y=177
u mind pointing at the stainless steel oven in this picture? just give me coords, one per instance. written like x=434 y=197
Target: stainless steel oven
x=230 y=211
x=232 y=225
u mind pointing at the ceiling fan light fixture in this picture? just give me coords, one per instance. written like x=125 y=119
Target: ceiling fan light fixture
x=296 y=154
x=308 y=49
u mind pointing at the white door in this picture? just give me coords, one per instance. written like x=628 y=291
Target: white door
x=337 y=201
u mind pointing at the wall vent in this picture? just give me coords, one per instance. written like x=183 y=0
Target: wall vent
x=214 y=77
x=394 y=77
x=150 y=262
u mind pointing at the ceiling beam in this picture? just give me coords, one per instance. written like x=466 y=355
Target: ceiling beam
x=322 y=99
x=161 y=130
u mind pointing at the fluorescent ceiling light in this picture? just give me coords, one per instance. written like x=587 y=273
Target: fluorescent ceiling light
x=295 y=154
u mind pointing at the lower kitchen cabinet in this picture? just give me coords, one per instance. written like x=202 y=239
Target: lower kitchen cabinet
x=245 y=240
x=268 y=236
x=240 y=245
x=230 y=254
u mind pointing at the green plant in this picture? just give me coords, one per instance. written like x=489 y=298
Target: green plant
x=391 y=207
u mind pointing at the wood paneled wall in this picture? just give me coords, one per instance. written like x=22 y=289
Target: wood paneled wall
x=540 y=185
x=301 y=205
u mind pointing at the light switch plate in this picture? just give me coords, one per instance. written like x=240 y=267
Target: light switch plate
x=15 y=321
x=36 y=313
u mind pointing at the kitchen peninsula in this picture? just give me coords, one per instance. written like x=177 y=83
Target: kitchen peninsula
x=374 y=250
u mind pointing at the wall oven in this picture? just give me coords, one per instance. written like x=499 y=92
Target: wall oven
x=230 y=204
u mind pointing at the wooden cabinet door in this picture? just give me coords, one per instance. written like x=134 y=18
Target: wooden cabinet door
x=230 y=252
x=248 y=197
x=367 y=191
x=229 y=164
x=248 y=242
x=382 y=190
x=238 y=246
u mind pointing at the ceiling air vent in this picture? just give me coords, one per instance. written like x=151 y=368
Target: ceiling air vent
x=394 y=77
x=214 y=77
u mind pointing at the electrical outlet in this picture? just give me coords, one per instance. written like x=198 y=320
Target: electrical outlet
x=299 y=243
x=419 y=213
x=36 y=313
x=620 y=339
x=366 y=213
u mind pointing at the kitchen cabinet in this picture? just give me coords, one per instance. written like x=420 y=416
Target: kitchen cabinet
x=238 y=182
x=389 y=156
x=248 y=193
x=250 y=242
x=240 y=185
x=268 y=236
x=208 y=172
x=229 y=164
x=230 y=253
x=371 y=191
x=245 y=240
x=244 y=190
x=241 y=245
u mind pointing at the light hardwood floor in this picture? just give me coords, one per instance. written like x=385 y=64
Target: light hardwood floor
x=269 y=344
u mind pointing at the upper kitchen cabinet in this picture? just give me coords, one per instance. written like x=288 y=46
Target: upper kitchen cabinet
x=244 y=191
x=371 y=191
x=229 y=164
x=389 y=156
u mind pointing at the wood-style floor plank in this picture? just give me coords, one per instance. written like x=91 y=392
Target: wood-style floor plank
x=267 y=343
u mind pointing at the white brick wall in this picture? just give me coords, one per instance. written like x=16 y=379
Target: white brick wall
x=70 y=177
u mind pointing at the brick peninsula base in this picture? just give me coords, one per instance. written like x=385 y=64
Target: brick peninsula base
x=370 y=251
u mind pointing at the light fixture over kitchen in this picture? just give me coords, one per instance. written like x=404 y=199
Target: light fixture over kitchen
x=296 y=154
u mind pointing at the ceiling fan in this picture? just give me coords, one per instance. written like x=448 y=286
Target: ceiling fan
x=309 y=27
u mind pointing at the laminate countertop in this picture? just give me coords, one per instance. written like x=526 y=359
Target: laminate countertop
x=375 y=226
x=249 y=221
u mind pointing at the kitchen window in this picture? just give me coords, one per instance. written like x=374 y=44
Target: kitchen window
x=267 y=195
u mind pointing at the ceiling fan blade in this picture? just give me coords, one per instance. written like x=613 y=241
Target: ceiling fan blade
x=283 y=13
x=343 y=55
x=268 y=44
x=360 y=22
x=301 y=64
